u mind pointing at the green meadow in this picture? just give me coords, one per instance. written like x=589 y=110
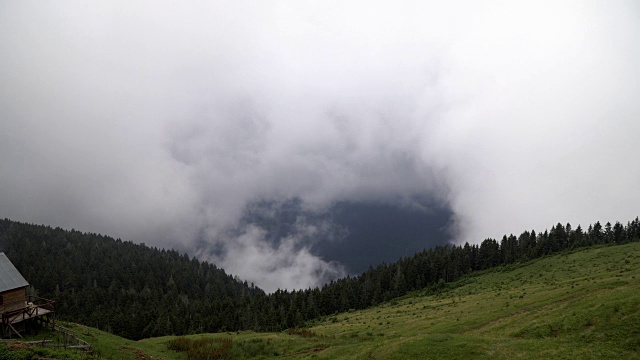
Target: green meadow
x=576 y=305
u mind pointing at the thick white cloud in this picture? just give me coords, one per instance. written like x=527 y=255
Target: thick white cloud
x=544 y=130
x=287 y=265
x=159 y=121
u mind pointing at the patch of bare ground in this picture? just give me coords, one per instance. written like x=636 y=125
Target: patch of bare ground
x=17 y=345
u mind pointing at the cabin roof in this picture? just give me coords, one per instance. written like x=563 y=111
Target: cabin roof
x=10 y=277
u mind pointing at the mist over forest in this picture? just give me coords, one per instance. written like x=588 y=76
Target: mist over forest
x=394 y=127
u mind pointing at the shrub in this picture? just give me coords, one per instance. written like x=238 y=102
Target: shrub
x=210 y=349
x=202 y=349
x=180 y=344
x=302 y=332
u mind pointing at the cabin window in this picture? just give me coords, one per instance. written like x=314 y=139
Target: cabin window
x=1 y=300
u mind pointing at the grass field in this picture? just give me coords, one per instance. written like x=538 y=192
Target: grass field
x=580 y=305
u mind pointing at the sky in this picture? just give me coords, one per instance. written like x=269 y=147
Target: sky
x=170 y=123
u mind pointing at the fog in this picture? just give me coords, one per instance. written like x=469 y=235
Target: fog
x=163 y=123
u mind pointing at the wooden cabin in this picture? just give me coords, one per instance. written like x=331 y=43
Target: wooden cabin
x=13 y=287
x=16 y=308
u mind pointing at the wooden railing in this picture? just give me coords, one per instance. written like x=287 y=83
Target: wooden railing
x=41 y=303
x=32 y=308
x=70 y=340
x=66 y=339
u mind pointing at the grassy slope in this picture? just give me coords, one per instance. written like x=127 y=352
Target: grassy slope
x=580 y=305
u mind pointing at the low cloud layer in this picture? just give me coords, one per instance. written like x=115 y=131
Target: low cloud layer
x=162 y=122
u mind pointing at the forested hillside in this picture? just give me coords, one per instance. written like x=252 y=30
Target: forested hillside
x=136 y=291
x=131 y=290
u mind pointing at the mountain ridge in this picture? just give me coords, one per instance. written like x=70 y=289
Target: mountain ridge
x=100 y=281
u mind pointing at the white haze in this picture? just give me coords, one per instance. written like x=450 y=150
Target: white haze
x=160 y=121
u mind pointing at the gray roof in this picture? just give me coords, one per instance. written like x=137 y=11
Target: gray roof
x=10 y=278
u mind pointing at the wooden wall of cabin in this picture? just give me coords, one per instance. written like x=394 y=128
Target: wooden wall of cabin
x=13 y=299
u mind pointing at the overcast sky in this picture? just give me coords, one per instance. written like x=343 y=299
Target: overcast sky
x=162 y=121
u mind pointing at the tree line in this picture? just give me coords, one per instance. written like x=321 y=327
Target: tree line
x=137 y=291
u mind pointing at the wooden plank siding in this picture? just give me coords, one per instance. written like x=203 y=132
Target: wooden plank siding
x=13 y=299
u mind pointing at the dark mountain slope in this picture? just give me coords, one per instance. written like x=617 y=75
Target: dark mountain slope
x=129 y=289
